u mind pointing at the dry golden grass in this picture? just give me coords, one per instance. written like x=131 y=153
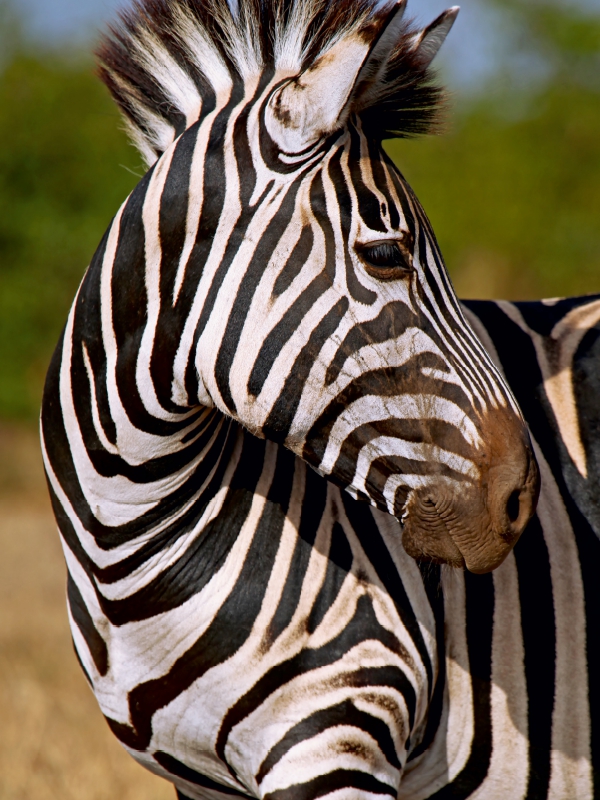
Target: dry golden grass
x=54 y=743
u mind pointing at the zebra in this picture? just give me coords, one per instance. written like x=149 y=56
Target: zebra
x=532 y=654
x=272 y=438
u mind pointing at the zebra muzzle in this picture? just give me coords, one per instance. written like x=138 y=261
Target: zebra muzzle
x=474 y=525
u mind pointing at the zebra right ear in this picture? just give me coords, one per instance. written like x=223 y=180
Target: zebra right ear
x=317 y=102
x=428 y=41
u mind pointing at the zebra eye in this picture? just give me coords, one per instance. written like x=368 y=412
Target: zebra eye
x=387 y=260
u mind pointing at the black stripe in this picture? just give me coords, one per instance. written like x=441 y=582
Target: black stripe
x=391 y=322
x=403 y=193
x=358 y=291
x=479 y=631
x=431 y=577
x=174 y=204
x=176 y=767
x=129 y=304
x=88 y=324
x=212 y=211
x=369 y=208
x=296 y=260
x=313 y=507
x=282 y=414
x=339 y=564
x=368 y=533
x=245 y=294
x=332 y=781
x=283 y=331
x=344 y=713
x=364 y=626
x=539 y=637
x=94 y=641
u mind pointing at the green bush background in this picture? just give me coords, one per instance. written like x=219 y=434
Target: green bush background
x=512 y=187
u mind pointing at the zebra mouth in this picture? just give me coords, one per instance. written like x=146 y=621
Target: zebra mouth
x=426 y=534
x=475 y=524
x=472 y=526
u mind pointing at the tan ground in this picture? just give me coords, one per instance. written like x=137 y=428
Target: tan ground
x=54 y=743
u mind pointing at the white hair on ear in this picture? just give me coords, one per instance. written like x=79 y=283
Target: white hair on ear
x=305 y=109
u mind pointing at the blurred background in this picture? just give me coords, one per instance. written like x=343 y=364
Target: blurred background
x=513 y=191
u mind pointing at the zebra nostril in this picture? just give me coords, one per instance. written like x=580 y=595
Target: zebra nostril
x=513 y=506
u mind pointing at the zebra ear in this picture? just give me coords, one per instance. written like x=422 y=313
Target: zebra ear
x=428 y=41
x=317 y=101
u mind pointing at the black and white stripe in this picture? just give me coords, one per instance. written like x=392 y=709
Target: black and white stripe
x=521 y=704
x=314 y=608
x=248 y=626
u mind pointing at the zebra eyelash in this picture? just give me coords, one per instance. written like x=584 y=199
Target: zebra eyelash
x=386 y=260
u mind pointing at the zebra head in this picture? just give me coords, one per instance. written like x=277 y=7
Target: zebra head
x=295 y=281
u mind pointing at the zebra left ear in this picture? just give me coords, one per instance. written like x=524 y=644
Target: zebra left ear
x=317 y=101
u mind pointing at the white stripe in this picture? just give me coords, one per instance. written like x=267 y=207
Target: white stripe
x=451 y=746
x=195 y=195
x=390 y=446
x=371 y=408
x=508 y=771
x=153 y=259
x=570 y=765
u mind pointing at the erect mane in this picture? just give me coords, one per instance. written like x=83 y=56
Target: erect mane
x=165 y=61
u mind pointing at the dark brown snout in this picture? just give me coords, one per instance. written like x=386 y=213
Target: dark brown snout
x=476 y=524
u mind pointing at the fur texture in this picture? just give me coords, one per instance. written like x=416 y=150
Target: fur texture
x=167 y=60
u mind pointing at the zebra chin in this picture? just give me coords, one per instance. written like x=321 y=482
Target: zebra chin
x=475 y=525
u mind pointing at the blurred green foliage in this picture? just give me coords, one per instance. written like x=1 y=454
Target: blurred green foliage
x=515 y=204
x=61 y=181
x=512 y=189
